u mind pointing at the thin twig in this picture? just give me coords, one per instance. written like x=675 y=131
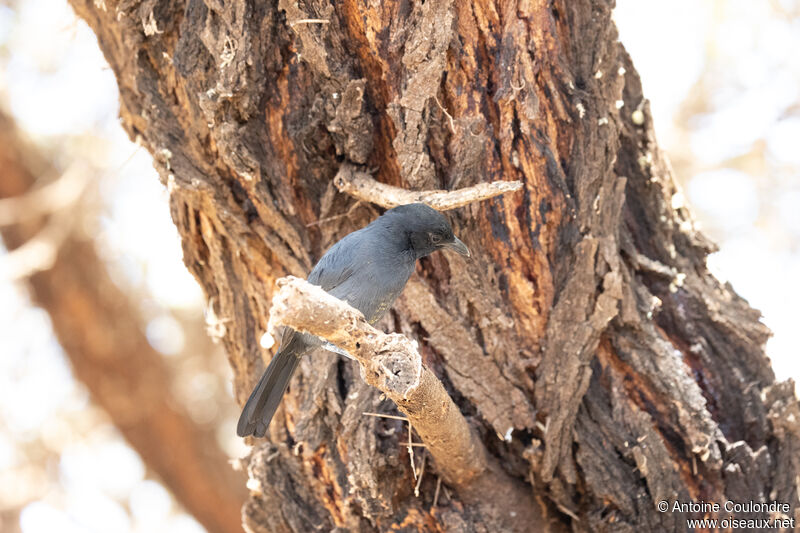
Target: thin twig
x=421 y=473
x=309 y=21
x=436 y=493
x=122 y=165
x=404 y=419
x=410 y=448
x=380 y=415
x=335 y=217
x=449 y=116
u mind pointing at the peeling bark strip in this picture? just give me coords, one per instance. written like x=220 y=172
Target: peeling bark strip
x=585 y=330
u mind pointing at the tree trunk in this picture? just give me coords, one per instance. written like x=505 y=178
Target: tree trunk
x=100 y=333
x=585 y=332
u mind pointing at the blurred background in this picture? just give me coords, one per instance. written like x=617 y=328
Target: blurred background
x=724 y=86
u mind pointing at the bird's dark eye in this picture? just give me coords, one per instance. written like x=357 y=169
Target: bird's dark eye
x=435 y=238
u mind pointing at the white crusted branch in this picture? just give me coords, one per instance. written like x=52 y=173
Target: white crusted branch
x=56 y=196
x=361 y=186
x=392 y=364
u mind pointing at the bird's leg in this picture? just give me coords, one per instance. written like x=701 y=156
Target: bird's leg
x=335 y=349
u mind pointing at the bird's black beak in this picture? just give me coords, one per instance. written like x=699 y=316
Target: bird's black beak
x=457 y=246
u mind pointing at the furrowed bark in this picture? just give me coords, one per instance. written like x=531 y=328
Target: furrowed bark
x=100 y=333
x=586 y=330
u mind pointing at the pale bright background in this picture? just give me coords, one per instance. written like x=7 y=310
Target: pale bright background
x=723 y=79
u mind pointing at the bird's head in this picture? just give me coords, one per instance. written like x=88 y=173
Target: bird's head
x=427 y=230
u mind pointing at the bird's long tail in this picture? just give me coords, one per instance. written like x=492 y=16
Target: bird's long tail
x=266 y=396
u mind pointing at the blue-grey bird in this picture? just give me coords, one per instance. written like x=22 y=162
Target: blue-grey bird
x=368 y=268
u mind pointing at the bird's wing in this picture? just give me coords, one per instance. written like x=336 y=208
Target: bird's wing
x=332 y=270
x=356 y=270
x=349 y=271
x=338 y=264
x=375 y=286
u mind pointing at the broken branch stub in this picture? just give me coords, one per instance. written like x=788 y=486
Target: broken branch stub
x=362 y=186
x=392 y=364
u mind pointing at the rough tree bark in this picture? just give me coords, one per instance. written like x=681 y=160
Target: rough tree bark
x=100 y=333
x=586 y=332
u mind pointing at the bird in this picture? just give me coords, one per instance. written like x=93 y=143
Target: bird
x=367 y=268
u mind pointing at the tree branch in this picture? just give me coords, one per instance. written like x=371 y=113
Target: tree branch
x=98 y=328
x=392 y=364
x=362 y=186
x=39 y=252
x=57 y=195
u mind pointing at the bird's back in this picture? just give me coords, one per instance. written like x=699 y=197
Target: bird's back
x=367 y=268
